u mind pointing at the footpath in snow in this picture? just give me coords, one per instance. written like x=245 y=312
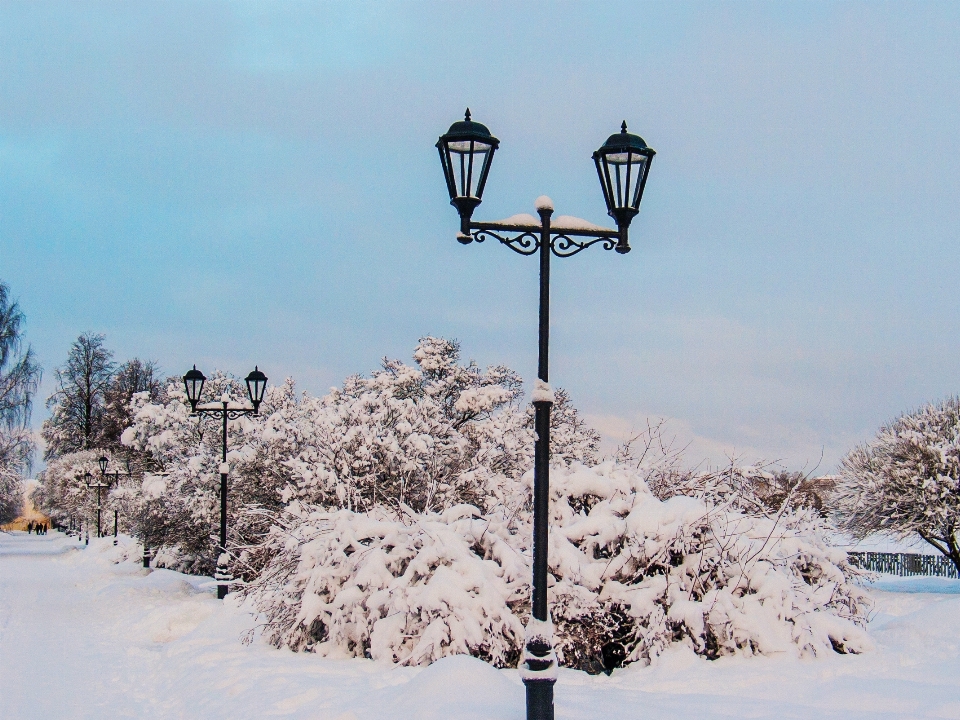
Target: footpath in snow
x=85 y=633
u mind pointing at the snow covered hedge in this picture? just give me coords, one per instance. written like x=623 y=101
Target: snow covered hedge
x=631 y=574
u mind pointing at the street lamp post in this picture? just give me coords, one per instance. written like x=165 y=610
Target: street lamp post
x=99 y=485
x=103 y=462
x=256 y=385
x=622 y=163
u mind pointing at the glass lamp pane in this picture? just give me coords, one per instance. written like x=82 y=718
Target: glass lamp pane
x=463 y=146
x=618 y=158
x=640 y=168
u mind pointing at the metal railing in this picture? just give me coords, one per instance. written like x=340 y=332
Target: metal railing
x=903 y=564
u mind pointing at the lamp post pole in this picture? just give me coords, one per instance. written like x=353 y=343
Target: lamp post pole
x=623 y=162
x=256 y=385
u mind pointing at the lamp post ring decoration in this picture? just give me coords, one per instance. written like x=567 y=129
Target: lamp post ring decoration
x=622 y=164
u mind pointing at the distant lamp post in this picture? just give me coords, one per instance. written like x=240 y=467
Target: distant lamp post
x=99 y=485
x=193 y=382
x=623 y=163
x=103 y=462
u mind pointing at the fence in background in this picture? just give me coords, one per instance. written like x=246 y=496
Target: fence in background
x=903 y=564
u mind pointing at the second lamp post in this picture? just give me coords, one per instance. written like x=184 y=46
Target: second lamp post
x=466 y=151
x=256 y=385
x=99 y=485
x=103 y=462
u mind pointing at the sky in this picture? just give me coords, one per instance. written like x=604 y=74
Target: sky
x=241 y=183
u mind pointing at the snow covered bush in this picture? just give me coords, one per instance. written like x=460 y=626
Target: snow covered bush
x=426 y=437
x=407 y=589
x=631 y=574
x=718 y=579
x=906 y=481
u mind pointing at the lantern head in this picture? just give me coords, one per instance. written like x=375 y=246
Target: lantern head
x=256 y=385
x=466 y=151
x=622 y=164
x=102 y=462
x=193 y=382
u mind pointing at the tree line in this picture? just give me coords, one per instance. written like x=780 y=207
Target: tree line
x=904 y=482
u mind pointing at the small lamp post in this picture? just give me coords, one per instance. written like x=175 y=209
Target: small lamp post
x=103 y=462
x=99 y=485
x=193 y=382
x=623 y=163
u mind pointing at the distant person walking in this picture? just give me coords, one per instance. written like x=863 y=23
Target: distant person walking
x=30 y=527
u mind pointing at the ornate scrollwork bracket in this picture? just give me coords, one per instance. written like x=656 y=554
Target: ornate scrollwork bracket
x=525 y=240
x=566 y=246
x=232 y=413
x=526 y=243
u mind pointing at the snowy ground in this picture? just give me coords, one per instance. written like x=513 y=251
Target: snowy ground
x=82 y=636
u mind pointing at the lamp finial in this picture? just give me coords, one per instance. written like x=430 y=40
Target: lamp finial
x=466 y=115
x=623 y=127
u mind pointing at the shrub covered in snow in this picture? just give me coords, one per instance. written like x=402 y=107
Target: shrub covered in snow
x=425 y=436
x=631 y=574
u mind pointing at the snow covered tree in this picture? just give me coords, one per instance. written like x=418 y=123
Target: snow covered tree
x=176 y=507
x=571 y=439
x=62 y=492
x=11 y=496
x=906 y=480
x=79 y=403
x=19 y=379
x=132 y=377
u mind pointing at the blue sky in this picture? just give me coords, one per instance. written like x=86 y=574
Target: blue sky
x=240 y=183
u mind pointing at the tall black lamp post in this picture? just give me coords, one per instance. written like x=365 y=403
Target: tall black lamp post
x=256 y=385
x=103 y=462
x=622 y=162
